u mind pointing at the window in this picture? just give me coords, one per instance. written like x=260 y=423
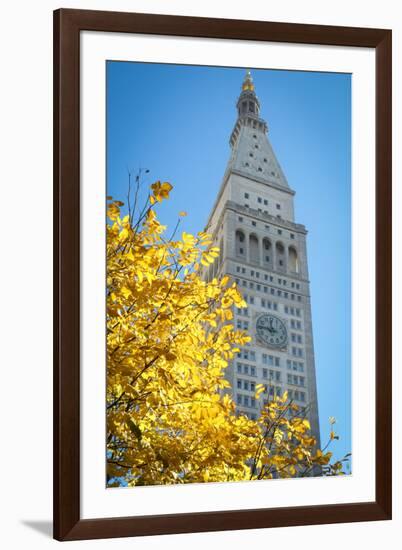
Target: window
x=245 y=400
x=278 y=376
x=279 y=231
x=257 y=274
x=254 y=223
x=252 y=273
x=238 y=399
x=265 y=160
x=259 y=200
x=254 y=136
x=265 y=373
x=240 y=218
x=292 y=236
x=278 y=206
x=245 y=384
x=267 y=227
x=265 y=201
x=259 y=169
x=267 y=258
x=246 y=164
x=239 y=383
x=243 y=270
x=246 y=195
x=251 y=155
x=252 y=371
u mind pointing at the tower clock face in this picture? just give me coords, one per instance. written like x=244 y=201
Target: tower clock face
x=272 y=331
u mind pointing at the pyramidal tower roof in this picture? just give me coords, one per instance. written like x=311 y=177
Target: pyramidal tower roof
x=252 y=154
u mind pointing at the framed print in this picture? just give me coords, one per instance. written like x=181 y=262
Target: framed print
x=222 y=233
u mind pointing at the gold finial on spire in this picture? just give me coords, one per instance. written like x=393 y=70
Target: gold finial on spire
x=248 y=81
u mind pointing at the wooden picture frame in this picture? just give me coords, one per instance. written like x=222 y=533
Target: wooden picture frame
x=67 y=27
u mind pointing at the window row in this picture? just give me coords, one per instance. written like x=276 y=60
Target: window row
x=268 y=290
x=264 y=252
x=295 y=380
x=249 y=370
x=247 y=354
x=295 y=324
x=297 y=352
x=267 y=227
x=297 y=395
x=271 y=360
x=292 y=311
x=269 y=305
x=245 y=400
x=245 y=385
x=253 y=273
x=295 y=338
x=271 y=375
x=295 y=365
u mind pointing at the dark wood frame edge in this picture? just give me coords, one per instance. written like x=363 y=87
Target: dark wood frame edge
x=67 y=27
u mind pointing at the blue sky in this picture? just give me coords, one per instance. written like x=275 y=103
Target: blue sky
x=176 y=121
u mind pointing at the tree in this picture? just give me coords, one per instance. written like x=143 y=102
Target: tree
x=170 y=416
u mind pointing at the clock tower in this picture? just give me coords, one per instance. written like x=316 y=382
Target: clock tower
x=264 y=250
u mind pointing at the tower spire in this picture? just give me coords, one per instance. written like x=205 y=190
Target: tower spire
x=248 y=104
x=252 y=154
x=248 y=83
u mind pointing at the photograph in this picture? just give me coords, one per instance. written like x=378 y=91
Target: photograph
x=227 y=274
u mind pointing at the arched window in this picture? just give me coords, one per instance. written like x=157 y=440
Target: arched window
x=293 y=260
x=254 y=250
x=280 y=256
x=240 y=244
x=267 y=252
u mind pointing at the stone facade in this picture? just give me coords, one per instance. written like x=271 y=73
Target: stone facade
x=264 y=250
